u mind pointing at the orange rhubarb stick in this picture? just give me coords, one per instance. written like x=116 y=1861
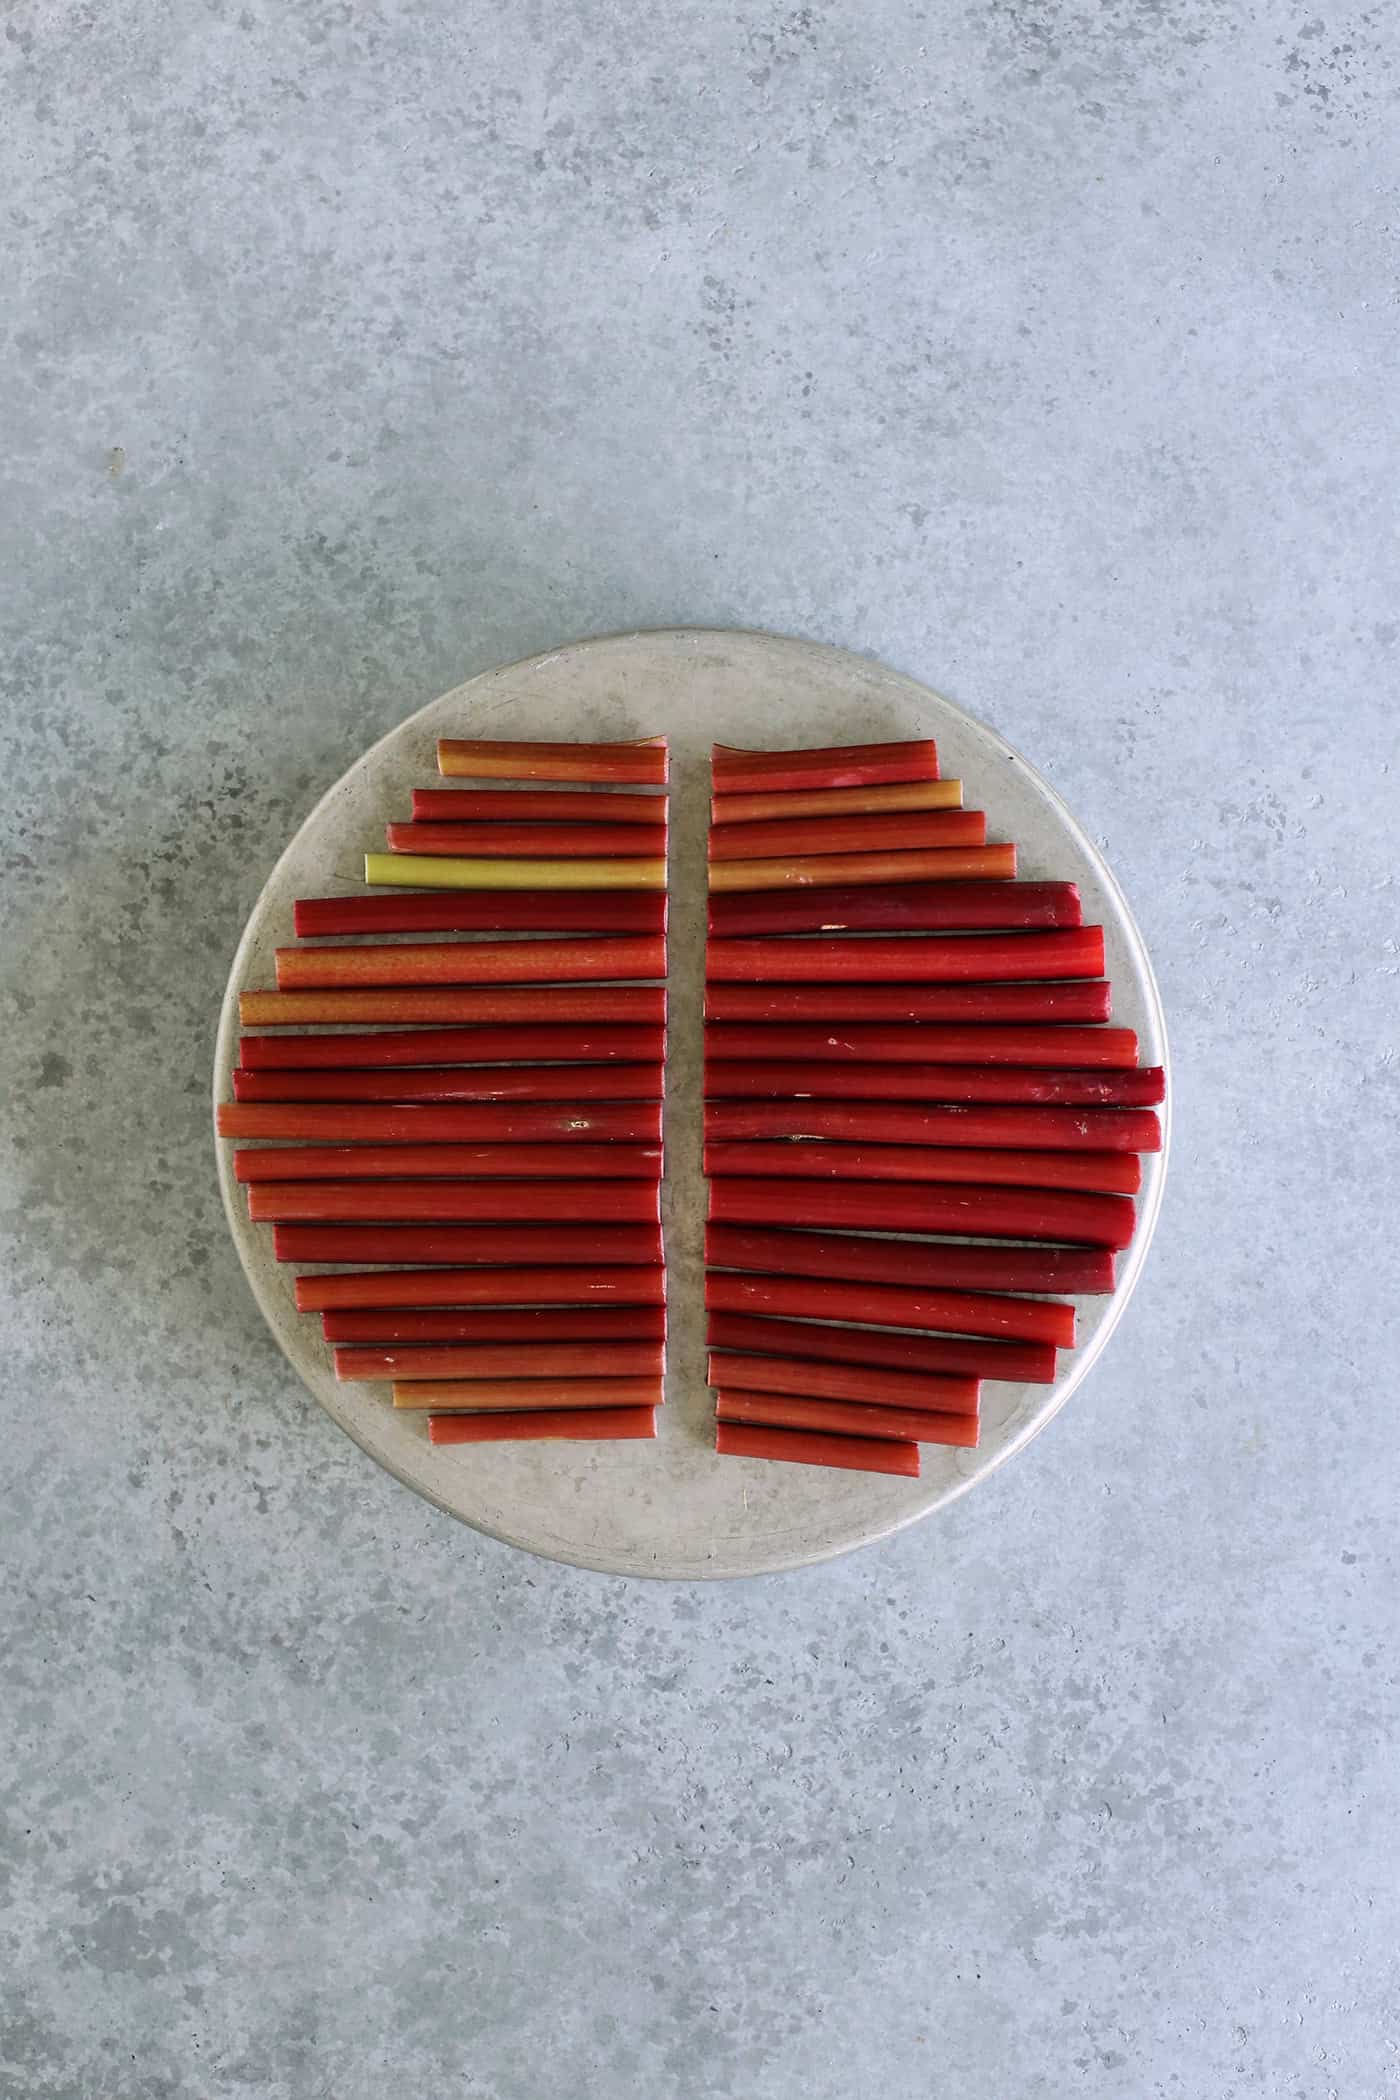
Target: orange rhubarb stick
x=470 y=962
x=832 y=802
x=932 y=864
x=639 y=763
x=638 y=1004
x=472 y=1123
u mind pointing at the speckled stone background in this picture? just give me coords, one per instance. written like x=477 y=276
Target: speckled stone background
x=1045 y=350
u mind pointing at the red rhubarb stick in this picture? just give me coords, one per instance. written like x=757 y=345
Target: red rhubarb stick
x=914 y=958
x=530 y=841
x=527 y=1395
x=446 y=1046
x=871 y=1384
x=822 y=870
x=921 y=1043
x=791 y=1411
x=393 y=1202
x=640 y=1163
x=551 y=806
x=891 y=1305
x=594 y=1424
x=457 y=1083
x=735 y=771
x=402 y=1289
x=1078 y=1000
x=918 y=1264
x=881 y=1206
x=929 y=907
x=482 y=911
x=1028 y=1363
x=836 y=802
x=640 y=1004
x=1109 y=1173
x=937 y=1083
x=623 y=1323
x=891 y=1123
x=469 y=962
x=807 y=835
x=551 y=1360
x=589 y=1246
x=857 y=1454
x=545 y=1122
x=639 y=763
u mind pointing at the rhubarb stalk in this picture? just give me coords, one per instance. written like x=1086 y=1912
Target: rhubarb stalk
x=735 y=771
x=1028 y=1363
x=530 y=841
x=929 y=907
x=972 y=958
x=809 y=835
x=545 y=1122
x=1115 y=1173
x=867 y=1383
x=1081 y=1000
x=501 y=1395
x=891 y=1305
x=937 y=1083
x=482 y=911
x=590 y=1246
x=790 y=1411
x=540 y=1360
x=425 y=1202
x=931 y=864
x=921 y=1264
x=424 y=871
x=857 y=1454
x=623 y=1323
x=891 y=1123
x=446 y=1046
x=879 y=1206
x=552 y=806
x=832 y=802
x=469 y=962
x=457 y=1083
x=922 y=1043
x=405 y=1289
x=640 y=762
x=640 y=1163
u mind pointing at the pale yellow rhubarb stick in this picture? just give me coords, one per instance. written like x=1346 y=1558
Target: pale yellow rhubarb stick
x=420 y=871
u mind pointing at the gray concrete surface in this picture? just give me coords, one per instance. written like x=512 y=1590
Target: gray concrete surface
x=1044 y=349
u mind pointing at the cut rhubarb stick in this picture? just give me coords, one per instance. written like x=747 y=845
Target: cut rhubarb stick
x=797 y=1447
x=527 y=1395
x=1008 y=1084
x=425 y=871
x=404 y=1289
x=553 y=806
x=922 y=1043
x=841 y=1418
x=636 y=1004
x=640 y=1163
x=482 y=911
x=469 y=962
x=542 y=1123
x=870 y=1384
x=446 y=1046
x=833 y=802
x=591 y=1424
x=641 y=762
x=528 y=1324
x=1025 y=1363
x=515 y=1360
x=921 y=1264
x=1111 y=1173
x=529 y=841
x=734 y=771
x=882 y=1206
x=588 y=1246
x=457 y=1083
x=425 y=1202
x=918 y=907
x=891 y=1123
x=809 y=835
x=930 y=864
x=1082 y=1000
x=971 y=958
x=893 y=1305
